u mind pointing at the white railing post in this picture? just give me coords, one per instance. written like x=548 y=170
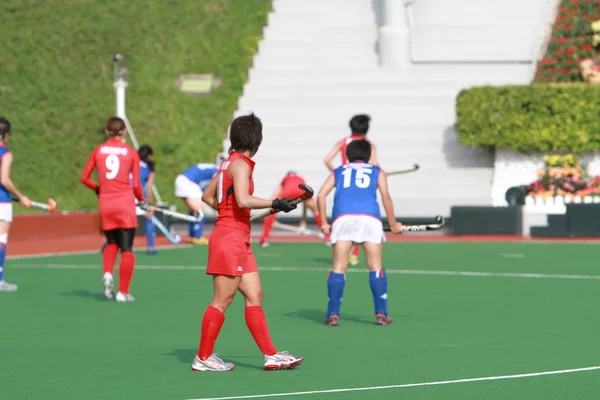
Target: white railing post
x=394 y=49
x=120 y=85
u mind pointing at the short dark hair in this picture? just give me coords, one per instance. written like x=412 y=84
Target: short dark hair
x=359 y=124
x=145 y=151
x=245 y=134
x=4 y=127
x=359 y=150
x=115 y=126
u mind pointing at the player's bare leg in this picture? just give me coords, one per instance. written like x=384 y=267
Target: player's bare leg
x=225 y=288
x=336 y=281
x=4 y=286
x=196 y=207
x=378 y=282
x=251 y=288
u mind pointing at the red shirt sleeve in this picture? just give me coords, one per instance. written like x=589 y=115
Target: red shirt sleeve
x=87 y=172
x=135 y=172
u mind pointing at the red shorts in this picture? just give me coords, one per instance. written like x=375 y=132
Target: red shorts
x=117 y=213
x=229 y=252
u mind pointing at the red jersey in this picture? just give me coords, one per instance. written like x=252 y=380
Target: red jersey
x=229 y=213
x=118 y=167
x=346 y=142
x=291 y=182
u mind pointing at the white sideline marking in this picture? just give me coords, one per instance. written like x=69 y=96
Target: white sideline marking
x=408 y=385
x=512 y=255
x=318 y=269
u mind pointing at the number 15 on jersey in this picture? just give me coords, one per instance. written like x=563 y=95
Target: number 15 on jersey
x=361 y=177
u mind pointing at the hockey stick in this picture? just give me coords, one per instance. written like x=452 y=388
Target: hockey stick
x=49 y=206
x=172 y=238
x=404 y=171
x=299 y=231
x=420 y=228
x=175 y=214
x=308 y=193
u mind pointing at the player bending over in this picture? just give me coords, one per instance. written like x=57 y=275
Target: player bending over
x=147 y=166
x=231 y=261
x=357 y=220
x=289 y=188
x=188 y=187
x=115 y=161
x=359 y=126
x=6 y=188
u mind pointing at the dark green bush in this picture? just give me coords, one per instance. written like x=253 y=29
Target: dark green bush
x=538 y=117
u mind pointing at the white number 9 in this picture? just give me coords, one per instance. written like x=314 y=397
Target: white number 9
x=112 y=164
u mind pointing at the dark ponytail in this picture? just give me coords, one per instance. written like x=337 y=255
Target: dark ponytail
x=145 y=151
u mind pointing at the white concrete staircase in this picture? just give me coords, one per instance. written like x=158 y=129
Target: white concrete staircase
x=318 y=65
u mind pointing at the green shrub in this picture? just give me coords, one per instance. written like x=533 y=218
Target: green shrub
x=56 y=83
x=539 y=117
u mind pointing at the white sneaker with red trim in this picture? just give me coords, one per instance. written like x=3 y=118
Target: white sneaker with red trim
x=212 y=363
x=282 y=360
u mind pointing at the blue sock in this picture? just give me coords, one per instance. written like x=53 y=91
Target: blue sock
x=335 y=292
x=2 y=257
x=379 y=288
x=195 y=228
x=150 y=233
x=200 y=226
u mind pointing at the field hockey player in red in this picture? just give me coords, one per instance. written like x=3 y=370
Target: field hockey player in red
x=231 y=261
x=118 y=166
x=289 y=188
x=359 y=126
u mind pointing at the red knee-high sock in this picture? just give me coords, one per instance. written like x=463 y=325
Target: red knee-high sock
x=211 y=326
x=257 y=324
x=356 y=250
x=126 y=267
x=109 y=257
x=318 y=220
x=267 y=226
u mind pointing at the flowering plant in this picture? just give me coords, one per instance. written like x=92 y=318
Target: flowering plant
x=564 y=176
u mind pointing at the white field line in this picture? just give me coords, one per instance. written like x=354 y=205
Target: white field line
x=320 y=269
x=401 y=386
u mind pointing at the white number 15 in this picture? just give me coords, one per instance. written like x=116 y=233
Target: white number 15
x=362 y=180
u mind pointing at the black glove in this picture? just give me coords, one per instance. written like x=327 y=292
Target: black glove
x=143 y=205
x=284 y=205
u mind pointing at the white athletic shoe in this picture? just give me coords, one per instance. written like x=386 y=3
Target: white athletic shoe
x=125 y=298
x=212 y=363
x=108 y=286
x=8 y=287
x=282 y=360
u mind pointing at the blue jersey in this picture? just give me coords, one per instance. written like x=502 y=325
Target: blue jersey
x=145 y=172
x=201 y=174
x=356 y=190
x=5 y=196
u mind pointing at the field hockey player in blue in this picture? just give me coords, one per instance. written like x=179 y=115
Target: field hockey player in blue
x=189 y=187
x=147 y=179
x=7 y=188
x=357 y=221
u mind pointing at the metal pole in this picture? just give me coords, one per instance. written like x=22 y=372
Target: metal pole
x=120 y=85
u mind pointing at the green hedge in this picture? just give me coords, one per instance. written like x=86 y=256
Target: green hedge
x=539 y=117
